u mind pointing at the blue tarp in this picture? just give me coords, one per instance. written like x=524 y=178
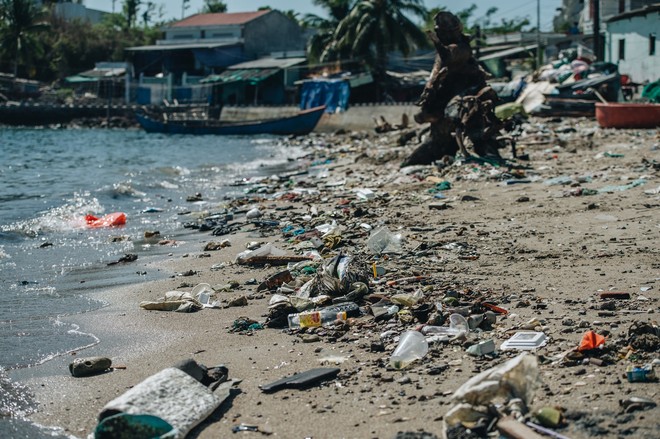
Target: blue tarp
x=333 y=93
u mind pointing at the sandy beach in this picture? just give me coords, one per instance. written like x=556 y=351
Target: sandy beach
x=510 y=235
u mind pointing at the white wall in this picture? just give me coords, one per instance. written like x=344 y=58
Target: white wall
x=217 y=33
x=637 y=62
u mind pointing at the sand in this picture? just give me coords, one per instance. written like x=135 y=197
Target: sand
x=524 y=246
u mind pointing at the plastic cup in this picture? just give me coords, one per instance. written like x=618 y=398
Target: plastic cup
x=202 y=292
x=412 y=346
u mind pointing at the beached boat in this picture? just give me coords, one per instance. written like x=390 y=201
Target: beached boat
x=301 y=123
x=628 y=115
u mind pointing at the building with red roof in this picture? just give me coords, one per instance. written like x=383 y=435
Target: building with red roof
x=203 y=44
x=206 y=45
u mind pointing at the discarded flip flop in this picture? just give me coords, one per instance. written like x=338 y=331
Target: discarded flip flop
x=302 y=379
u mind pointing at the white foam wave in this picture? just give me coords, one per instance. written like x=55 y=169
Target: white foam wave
x=3 y=253
x=127 y=189
x=69 y=216
x=75 y=330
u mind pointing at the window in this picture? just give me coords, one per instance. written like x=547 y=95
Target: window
x=622 y=6
x=651 y=44
x=622 y=49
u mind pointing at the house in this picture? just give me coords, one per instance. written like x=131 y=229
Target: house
x=631 y=43
x=105 y=80
x=204 y=44
x=207 y=44
x=607 y=9
x=269 y=81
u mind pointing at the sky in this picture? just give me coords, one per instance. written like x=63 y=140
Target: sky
x=508 y=9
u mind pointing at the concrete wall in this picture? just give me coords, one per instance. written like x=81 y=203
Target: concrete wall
x=635 y=31
x=273 y=32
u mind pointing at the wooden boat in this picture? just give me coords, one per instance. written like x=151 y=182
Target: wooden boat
x=301 y=123
x=627 y=115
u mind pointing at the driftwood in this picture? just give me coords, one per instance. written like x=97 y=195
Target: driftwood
x=456 y=101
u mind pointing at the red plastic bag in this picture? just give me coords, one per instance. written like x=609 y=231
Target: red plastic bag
x=109 y=220
x=591 y=340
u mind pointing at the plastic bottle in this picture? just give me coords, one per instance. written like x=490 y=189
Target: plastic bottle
x=310 y=319
x=412 y=346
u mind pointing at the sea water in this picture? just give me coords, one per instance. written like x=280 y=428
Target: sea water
x=51 y=263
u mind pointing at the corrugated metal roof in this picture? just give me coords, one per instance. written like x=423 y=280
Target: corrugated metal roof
x=251 y=76
x=269 y=63
x=219 y=19
x=104 y=73
x=161 y=47
x=507 y=52
x=79 y=79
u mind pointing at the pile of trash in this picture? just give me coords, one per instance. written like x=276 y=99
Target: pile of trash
x=330 y=264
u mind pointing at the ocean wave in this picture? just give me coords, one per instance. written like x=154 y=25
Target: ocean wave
x=68 y=217
x=125 y=189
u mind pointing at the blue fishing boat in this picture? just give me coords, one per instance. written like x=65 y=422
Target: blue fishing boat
x=298 y=124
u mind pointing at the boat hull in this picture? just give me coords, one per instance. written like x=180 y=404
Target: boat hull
x=627 y=115
x=299 y=124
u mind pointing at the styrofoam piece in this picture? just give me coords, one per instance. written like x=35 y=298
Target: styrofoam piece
x=525 y=341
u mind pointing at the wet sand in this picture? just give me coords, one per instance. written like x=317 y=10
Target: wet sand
x=525 y=246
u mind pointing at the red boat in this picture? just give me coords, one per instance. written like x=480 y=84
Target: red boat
x=627 y=115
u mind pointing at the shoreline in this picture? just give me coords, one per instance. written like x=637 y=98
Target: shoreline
x=549 y=250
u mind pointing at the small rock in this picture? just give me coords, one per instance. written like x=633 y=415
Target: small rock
x=238 y=301
x=310 y=338
x=89 y=366
x=404 y=380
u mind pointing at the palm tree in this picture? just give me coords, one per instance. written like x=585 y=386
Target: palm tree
x=375 y=27
x=320 y=44
x=20 y=21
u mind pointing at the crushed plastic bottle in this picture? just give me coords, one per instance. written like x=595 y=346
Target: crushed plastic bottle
x=324 y=316
x=312 y=319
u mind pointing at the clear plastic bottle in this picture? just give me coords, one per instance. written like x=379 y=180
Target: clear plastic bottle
x=310 y=319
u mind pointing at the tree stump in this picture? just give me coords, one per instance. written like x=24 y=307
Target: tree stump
x=456 y=101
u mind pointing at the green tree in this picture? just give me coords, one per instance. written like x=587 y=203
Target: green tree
x=214 y=6
x=373 y=28
x=131 y=8
x=325 y=29
x=21 y=21
x=293 y=15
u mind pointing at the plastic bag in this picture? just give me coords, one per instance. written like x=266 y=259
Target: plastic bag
x=382 y=240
